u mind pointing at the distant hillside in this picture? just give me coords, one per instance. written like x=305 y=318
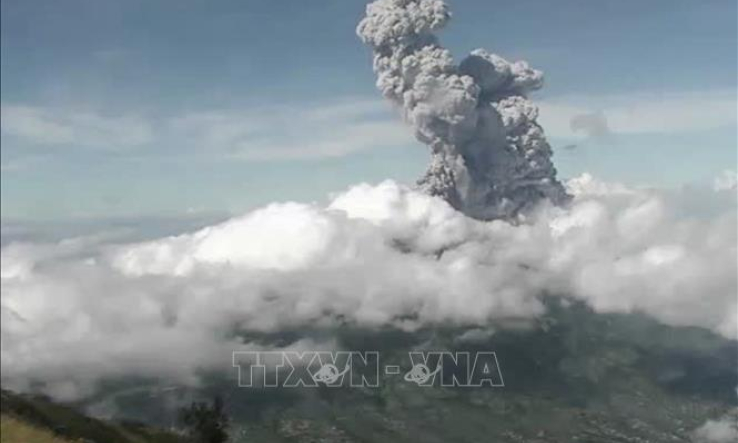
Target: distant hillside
x=27 y=419
x=574 y=376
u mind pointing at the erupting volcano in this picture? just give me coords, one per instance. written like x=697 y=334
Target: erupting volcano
x=490 y=158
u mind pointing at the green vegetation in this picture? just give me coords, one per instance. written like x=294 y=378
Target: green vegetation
x=27 y=419
x=206 y=423
x=572 y=376
x=13 y=430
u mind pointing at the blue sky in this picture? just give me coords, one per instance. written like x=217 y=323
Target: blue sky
x=151 y=108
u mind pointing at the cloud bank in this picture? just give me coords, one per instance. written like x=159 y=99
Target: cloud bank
x=86 y=309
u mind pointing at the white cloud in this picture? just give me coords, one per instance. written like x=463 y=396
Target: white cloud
x=58 y=126
x=724 y=430
x=22 y=163
x=726 y=181
x=86 y=309
x=320 y=130
x=286 y=133
x=671 y=113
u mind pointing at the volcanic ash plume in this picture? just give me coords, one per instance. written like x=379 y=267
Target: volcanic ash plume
x=490 y=158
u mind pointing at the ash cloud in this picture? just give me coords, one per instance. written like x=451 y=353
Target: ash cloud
x=84 y=310
x=489 y=157
x=593 y=124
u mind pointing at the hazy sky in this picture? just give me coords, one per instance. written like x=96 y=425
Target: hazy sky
x=142 y=108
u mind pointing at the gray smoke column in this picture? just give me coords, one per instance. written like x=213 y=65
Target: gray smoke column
x=490 y=158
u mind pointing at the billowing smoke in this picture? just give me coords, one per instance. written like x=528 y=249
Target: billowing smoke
x=85 y=310
x=490 y=158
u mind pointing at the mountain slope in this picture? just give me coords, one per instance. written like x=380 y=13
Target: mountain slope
x=575 y=375
x=34 y=419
